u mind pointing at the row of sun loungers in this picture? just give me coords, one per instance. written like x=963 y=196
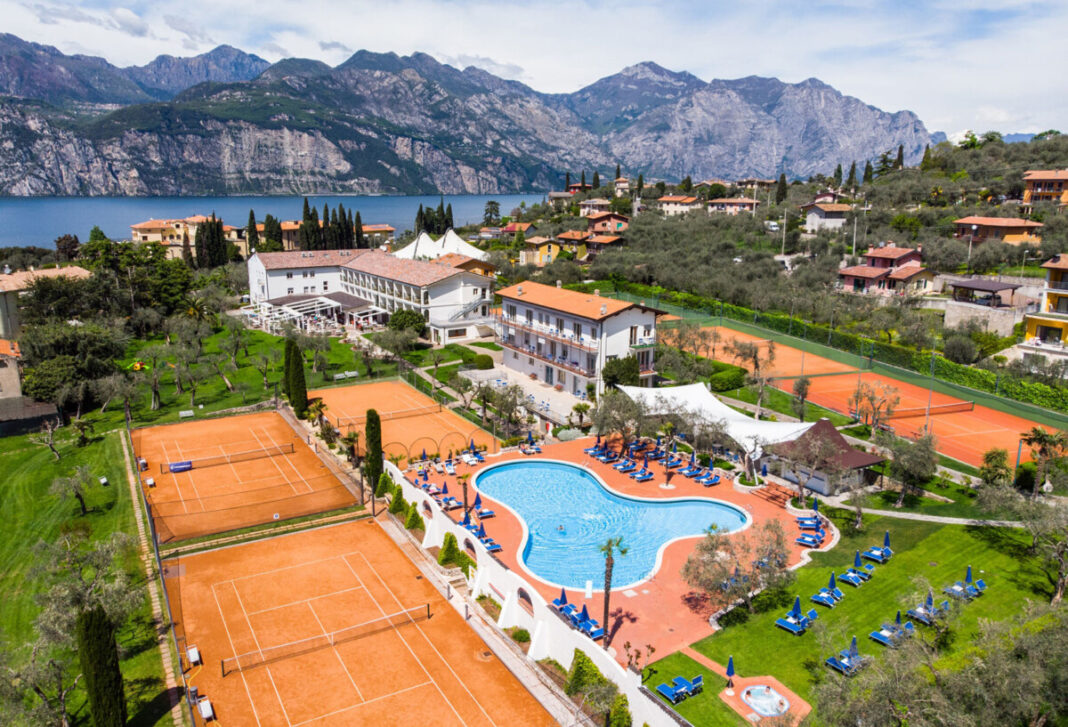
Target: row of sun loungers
x=681 y=688
x=892 y=635
x=579 y=619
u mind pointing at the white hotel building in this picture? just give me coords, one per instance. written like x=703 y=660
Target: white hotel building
x=363 y=286
x=564 y=337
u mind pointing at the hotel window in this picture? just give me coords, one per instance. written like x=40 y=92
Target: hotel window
x=289 y=276
x=530 y=317
x=325 y=284
x=511 y=311
x=560 y=325
x=289 y=291
x=578 y=330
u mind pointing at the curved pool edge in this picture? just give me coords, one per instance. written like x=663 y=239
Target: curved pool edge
x=747 y=517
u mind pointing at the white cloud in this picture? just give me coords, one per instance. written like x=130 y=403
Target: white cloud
x=962 y=64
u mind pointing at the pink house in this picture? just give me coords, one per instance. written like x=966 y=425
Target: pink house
x=888 y=270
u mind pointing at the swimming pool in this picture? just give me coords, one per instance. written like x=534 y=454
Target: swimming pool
x=569 y=514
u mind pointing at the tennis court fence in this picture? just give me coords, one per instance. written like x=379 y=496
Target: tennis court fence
x=359 y=421
x=221 y=459
x=271 y=654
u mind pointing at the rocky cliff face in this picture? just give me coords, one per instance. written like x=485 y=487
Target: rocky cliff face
x=383 y=123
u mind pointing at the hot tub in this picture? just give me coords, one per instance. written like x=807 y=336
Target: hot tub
x=765 y=701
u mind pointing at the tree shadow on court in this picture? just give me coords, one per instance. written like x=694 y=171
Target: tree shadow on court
x=149 y=702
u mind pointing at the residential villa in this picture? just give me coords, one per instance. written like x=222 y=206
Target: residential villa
x=712 y=183
x=622 y=187
x=599 y=243
x=678 y=204
x=10 y=384
x=509 y=230
x=590 y=207
x=470 y=264
x=564 y=337
x=888 y=270
x=574 y=241
x=1047 y=329
x=12 y=285
x=357 y=287
x=559 y=200
x=732 y=205
x=607 y=223
x=539 y=251
x=1045 y=186
x=169 y=233
x=1012 y=230
x=825 y=215
x=576 y=187
x=378 y=234
x=756 y=185
x=289 y=233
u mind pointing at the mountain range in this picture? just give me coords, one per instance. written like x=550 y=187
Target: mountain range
x=227 y=122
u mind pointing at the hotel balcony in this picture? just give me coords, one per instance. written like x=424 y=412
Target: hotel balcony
x=549 y=333
x=643 y=343
x=568 y=364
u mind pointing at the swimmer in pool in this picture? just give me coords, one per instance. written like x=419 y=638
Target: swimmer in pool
x=560 y=528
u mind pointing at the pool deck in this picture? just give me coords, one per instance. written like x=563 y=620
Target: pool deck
x=663 y=611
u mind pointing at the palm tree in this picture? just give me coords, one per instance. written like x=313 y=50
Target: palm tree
x=582 y=408
x=351 y=441
x=1045 y=447
x=462 y=479
x=316 y=412
x=612 y=546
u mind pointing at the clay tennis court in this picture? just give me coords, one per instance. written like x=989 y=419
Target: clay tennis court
x=411 y=421
x=788 y=361
x=230 y=484
x=252 y=598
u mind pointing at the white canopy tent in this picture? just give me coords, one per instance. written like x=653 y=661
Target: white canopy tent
x=426 y=248
x=750 y=434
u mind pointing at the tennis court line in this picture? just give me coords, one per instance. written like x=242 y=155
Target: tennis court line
x=174 y=479
x=292 y=484
x=357 y=706
x=233 y=649
x=191 y=480
x=432 y=646
x=292 y=466
x=333 y=647
x=405 y=641
x=305 y=600
x=287 y=567
x=259 y=648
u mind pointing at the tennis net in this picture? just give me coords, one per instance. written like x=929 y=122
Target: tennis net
x=921 y=411
x=272 y=654
x=359 y=421
x=220 y=459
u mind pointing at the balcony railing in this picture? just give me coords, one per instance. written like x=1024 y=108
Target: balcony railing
x=548 y=332
x=649 y=342
x=570 y=365
x=1058 y=284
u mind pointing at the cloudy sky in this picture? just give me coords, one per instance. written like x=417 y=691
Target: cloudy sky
x=966 y=64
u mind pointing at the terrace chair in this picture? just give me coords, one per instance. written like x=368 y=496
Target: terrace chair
x=920 y=614
x=812 y=615
x=710 y=481
x=837 y=593
x=689 y=470
x=644 y=478
x=477 y=456
x=451 y=503
x=670 y=693
x=838 y=666
x=956 y=591
x=493 y=547
x=485 y=513
x=943 y=608
x=884 y=637
x=852 y=579
x=793 y=628
x=656 y=454
x=973 y=592
x=672 y=463
x=558 y=604
x=590 y=450
x=980 y=586
x=810 y=525
x=863 y=574
x=875 y=554
x=608 y=457
x=638 y=473
x=683 y=684
x=807 y=519
x=534 y=449
x=699 y=472
x=908 y=629
x=449 y=469
x=591 y=627
x=568 y=609
x=824 y=598
x=809 y=541
x=697 y=684
x=627 y=467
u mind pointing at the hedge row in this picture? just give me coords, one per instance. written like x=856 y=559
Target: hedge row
x=1009 y=387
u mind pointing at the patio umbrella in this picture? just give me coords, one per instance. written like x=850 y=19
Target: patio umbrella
x=730 y=666
x=796 y=610
x=424 y=454
x=645 y=462
x=563 y=597
x=481 y=531
x=886 y=540
x=815 y=504
x=764 y=470
x=693 y=456
x=598 y=440
x=968 y=576
x=426 y=475
x=478 y=502
x=530 y=438
x=657 y=440
x=832 y=584
x=929 y=603
x=467 y=519
x=674 y=447
x=445 y=489
x=472 y=445
x=897 y=619
x=856 y=560
x=585 y=615
x=853 y=654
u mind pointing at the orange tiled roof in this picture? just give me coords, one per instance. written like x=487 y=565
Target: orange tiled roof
x=907 y=272
x=22 y=279
x=537 y=240
x=734 y=200
x=864 y=271
x=602 y=215
x=890 y=252
x=9 y=348
x=584 y=305
x=412 y=272
x=679 y=198
x=1058 y=262
x=377 y=228
x=1045 y=175
x=517 y=226
x=152 y=225
x=605 y=239
x=829 y=206
x=573 y=236
x=306 y=258
x=1014 y=222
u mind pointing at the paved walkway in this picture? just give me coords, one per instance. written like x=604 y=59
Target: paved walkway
x=838 y=501
x=799 y=708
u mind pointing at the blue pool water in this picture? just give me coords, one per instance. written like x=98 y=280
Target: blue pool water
x=548 y=495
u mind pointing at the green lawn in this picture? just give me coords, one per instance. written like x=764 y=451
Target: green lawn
x=781 y=402
x=937 y=553
x=30 y=514
x=445 y=373
x=704 y=710
x=488 y=345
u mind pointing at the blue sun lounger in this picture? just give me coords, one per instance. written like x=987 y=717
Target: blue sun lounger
x=864 y=573
x=484 y=513
x=689 y=471
x=638 y=473
x=875 y=554
x=626 y=467
x=492 y=547
x=592 y=629
x=852 y=579
x=803 y=519
x=690 y=687
x=644 y=478
x=921 y=614
x=809 y=541
x=794 y=628
x=980 y=586
x=449 y=469
x=838 y=666
x=670 y=693
x=672 y=463
x=710 y=481
x=824 y=598
x=886 y=637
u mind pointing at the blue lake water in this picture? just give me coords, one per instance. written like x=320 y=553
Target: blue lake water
x=549 y=496
x=40 y=220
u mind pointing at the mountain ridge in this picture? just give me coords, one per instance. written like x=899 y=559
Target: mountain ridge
x=226 y=122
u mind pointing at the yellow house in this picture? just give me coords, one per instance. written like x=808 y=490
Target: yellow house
x=539 y=251
x=1047 y=329
x=1045 y=185
x=1012 y=230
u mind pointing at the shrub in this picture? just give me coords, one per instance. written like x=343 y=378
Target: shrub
x=582 y=675
x=483 y=361
x=407 y=319
x=521 y=636
x=569 y=435
x=773 y=598
x=385 y=484
x=512 y=441
x=450 y=550
x=414 y=521
x=1026 y=474
x=619 y=716
x=734 y=617
x=727 y=380
x=397 y=505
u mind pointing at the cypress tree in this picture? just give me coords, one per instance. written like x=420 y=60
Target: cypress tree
x=99 y=657
x=298 y=387
x=327 y=235
x=420 y=220
x=252 y=235
x=287 y=357
x=439 y=221
x=869 y=172
x=200 y=245
x=925 y=164
x=899 y=163
x=306 y=214
x=344 y=230
x=641 y=183
x=567 y=180
x=357 y=229
x=448 y=217
x=582 y=181
x=838 y=176
x=596 y=179
x=187 y=254
x=780 y=190
x=618 y=174
x=372 y=467
x=851 y=183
